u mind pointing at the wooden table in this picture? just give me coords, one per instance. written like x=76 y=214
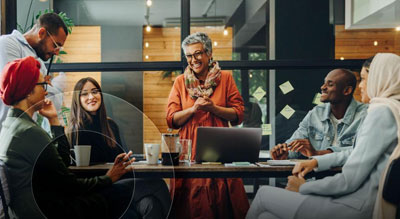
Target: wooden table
x=198 y=171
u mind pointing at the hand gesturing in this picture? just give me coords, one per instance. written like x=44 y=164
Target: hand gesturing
x=303 y=146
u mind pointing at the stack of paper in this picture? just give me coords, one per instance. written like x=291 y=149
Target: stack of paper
x=281 y=163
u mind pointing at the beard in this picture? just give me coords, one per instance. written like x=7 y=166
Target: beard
x=40 y=50
x=324 y=100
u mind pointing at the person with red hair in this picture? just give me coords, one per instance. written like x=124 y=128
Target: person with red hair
x=40 y=182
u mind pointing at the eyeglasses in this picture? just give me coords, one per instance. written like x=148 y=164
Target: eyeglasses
x=43 y=84
x=86 y=93
x=197 y=55
x=56 y=46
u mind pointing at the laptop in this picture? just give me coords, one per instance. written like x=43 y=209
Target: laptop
x=227 y=145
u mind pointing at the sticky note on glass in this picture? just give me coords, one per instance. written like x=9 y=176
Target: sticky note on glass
x=266 y=129
x=287 y=112
x=317 y=99
x=259 y=93
x=286 y=87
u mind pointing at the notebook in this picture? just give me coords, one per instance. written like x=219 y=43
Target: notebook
x=281 y=163
x=227 y=145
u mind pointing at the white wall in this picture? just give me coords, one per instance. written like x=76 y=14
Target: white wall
x=370 y=14
x=364 y=8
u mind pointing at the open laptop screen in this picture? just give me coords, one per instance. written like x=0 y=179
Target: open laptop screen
x=226 y=145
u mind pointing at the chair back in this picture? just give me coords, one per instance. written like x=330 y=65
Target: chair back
x=391 y=189
x=4 y=192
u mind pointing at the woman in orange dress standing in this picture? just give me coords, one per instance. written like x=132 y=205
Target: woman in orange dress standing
x=205 y=96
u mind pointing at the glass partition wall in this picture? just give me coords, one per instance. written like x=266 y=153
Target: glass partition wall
x=278 y=52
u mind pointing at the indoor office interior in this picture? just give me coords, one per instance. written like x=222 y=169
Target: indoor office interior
x=279 y=52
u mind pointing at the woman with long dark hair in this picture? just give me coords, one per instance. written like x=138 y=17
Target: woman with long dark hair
x=39 y=179
x=89 y=125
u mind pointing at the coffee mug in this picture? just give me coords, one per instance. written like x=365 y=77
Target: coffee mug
x=82 y=155
x=152 y=153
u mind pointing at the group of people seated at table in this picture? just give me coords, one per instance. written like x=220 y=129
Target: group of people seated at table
x=361 y=138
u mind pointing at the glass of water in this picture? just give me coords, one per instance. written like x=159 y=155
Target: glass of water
x=186 y=153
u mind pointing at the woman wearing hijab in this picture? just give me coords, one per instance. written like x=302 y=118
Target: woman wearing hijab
x=37 y=164
x=389 y=94
x=205 y=96
x=351 y=193
x=89 y=125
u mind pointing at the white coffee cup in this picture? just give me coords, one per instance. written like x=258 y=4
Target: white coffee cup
x=152 y=153
x=82 y=155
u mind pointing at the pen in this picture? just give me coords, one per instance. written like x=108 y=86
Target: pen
x=51 y=62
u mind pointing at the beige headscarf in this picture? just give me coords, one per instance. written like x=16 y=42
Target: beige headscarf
x=383 y=88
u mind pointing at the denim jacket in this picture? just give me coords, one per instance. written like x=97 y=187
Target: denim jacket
x=318 y=129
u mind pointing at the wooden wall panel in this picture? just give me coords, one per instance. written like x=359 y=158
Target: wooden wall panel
x=359 y=44
x=165 y=45
x=82 y=45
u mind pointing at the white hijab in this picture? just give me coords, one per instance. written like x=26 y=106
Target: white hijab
x=383 y=87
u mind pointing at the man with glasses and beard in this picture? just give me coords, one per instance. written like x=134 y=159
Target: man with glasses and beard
x=44 y=40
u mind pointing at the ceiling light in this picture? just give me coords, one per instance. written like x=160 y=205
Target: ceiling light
x=225 y=32
x=146 y=44
x=375 y=43
x=149 y=3
x=43 y=0
x=215 y=43
x=146 y=57
x=341 y=58
x=148 y=28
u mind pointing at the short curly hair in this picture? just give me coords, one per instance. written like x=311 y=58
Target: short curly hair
x=198 y=37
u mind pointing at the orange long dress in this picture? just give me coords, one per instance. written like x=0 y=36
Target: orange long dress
x=205 y=197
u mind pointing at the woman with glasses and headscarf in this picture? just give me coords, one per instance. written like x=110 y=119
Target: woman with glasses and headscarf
x=353 y=192
x=205 y=96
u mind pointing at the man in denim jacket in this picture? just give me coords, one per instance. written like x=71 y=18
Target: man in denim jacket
x=330 y=127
